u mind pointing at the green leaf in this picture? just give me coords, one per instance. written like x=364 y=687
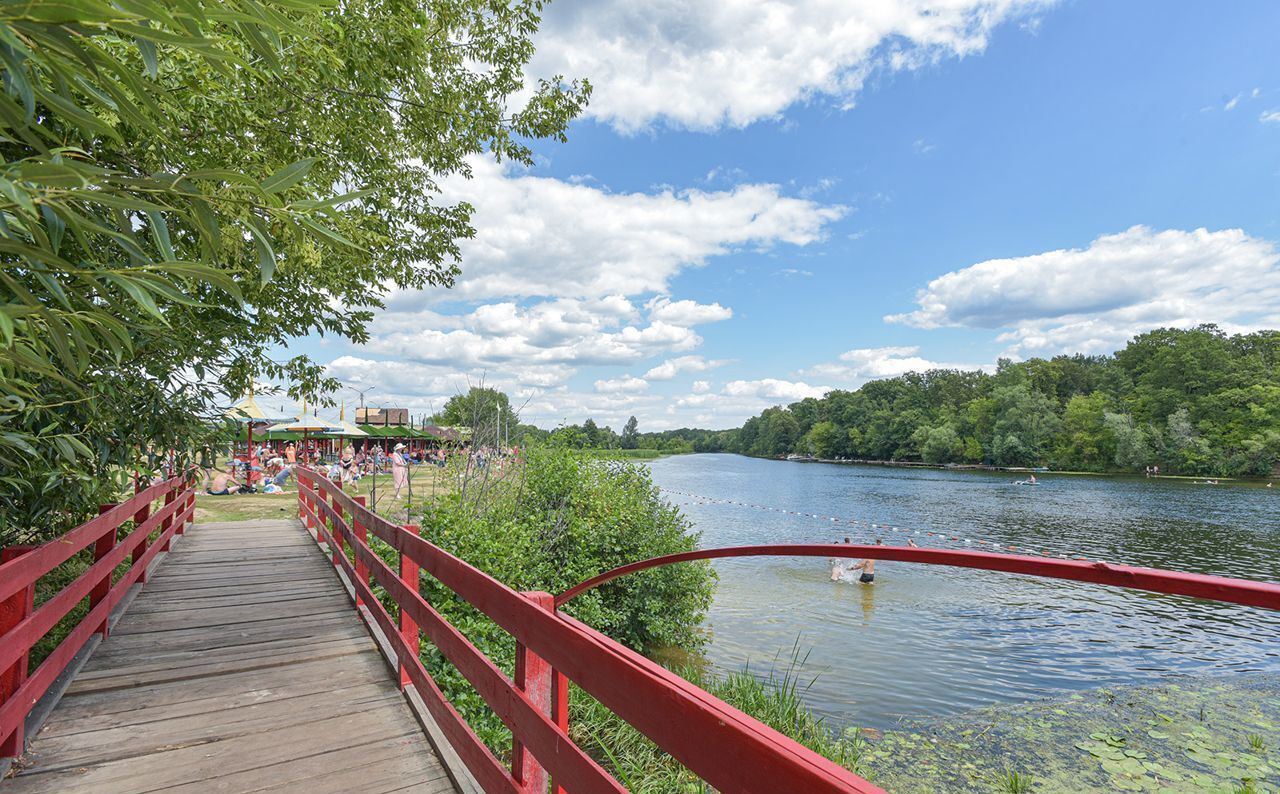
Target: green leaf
x=288 y=176
x=262 y=241
x=160 y=233
x=148 y=51
x=327 y=233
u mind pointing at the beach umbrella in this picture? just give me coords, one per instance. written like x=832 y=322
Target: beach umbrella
x=248 y=413
x=344 y=429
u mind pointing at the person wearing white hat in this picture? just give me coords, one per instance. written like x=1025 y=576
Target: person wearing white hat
x=399 y=469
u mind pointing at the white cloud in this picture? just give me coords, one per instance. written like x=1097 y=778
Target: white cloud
x=1270 y=116
x=1232 y=102
x=856 y=367
x=565 y=332
x=686 y=312
x=1093 y=299
x=774 y=389
x=701 y=387
x=538 y=236
x=674 y=366
x=704 y=64
x=627 y=383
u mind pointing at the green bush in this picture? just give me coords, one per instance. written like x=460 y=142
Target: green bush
x=556 y=519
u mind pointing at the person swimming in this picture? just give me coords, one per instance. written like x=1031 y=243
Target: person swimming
x=840 y=566
x=868 y=567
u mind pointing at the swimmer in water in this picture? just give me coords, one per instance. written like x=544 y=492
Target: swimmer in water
x=839 y=566
x=868 y=567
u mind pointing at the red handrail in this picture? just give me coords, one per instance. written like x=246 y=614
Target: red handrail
x=1214 y=588
x=725 y=747
x=22 y=625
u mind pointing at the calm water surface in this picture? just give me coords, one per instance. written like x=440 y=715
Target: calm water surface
x=927 y=640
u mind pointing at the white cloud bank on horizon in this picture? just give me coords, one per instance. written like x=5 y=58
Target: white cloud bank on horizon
x=856 y=367
x=707 y=64
x=1094 y=299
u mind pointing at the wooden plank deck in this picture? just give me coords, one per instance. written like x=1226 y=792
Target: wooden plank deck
x=241 y=666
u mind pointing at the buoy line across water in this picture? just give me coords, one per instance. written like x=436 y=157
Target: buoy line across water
x=943 y=537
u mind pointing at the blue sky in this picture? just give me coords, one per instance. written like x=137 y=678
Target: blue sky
x=767 y=201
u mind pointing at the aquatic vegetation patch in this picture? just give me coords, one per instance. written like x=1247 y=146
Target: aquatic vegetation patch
x=1217 y=734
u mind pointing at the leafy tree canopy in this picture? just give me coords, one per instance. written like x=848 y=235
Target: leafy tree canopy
x=186 y=186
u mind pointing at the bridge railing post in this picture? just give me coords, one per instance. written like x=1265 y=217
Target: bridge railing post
x=169 y=497
x=13 y=610
x=362 y=537
x=334 y=535
x=101 y=549
x=537 y=680
x=409 y=570
x=143 y=514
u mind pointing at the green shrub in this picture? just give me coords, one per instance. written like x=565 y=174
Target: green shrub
x=556 y=519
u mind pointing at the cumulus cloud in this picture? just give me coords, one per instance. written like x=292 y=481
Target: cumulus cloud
x=539 y=236
x=1270 y=116
x=564 y=332
x=704 y=64
x=1093 y=299
x=627 y=383
x=774 y=389
x=674 y=366
x=687 y=312
x=862 y=364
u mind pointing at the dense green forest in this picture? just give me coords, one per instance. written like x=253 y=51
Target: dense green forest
x=1193 y=401
x=1198 y=402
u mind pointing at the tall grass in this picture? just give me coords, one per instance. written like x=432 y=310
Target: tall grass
x=775 y=699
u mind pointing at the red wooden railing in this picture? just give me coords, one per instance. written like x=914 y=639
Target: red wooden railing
x=728 y=749
x=22 y=625
x=1155 y=580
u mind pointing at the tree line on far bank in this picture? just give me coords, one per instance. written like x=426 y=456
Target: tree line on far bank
x=1196 y=402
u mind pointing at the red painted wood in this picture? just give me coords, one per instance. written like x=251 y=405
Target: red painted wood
x=705 y=734
x=335 y=517
x=143 y=513
x=408 y=626
x=559 y=711
x=533 y=677
x=31 y=629
x=16 y=574
x=362 y=536
x=101 y=549
x=169 y=498
x=541 y=737
x=17 y=638
x=1215 y=588
x=13 y=610
x=487 y=769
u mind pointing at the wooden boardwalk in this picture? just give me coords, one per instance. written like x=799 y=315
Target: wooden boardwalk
x=241 y=666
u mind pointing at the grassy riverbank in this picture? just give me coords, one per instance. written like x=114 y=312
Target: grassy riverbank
x=428 y=482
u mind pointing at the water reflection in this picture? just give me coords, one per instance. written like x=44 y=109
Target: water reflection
x=934 y=640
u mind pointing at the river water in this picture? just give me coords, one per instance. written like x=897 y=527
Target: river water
x=933 y=641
